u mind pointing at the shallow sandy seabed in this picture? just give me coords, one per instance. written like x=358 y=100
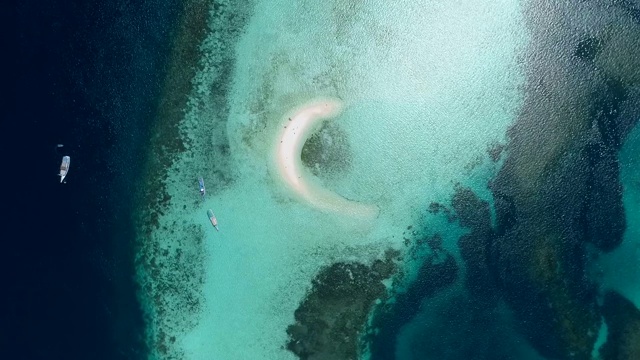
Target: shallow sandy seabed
x=420 y=102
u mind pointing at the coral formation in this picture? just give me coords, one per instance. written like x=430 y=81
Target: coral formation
x=623 y=321
x=333 y=315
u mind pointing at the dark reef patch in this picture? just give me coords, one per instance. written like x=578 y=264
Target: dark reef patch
x=495 y=151
x=436 y=208
x=472 y=212
x=332 y=317
x=588 y=48
x=623 y=322
x=476 y=246
x=604 y=219
x=438 y=271
x=559 y=188
x=327 y=151
x=606 y=110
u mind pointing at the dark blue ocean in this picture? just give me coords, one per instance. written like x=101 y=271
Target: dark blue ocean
x=85 y=75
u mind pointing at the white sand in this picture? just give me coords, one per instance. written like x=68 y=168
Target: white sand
x=297 y=127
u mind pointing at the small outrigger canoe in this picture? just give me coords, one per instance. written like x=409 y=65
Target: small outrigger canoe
x=201 y=183
x=64 y=167
x=213 y=219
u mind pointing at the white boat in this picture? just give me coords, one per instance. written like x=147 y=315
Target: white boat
x=201 y=183
x=213 y=219
x=64 y=167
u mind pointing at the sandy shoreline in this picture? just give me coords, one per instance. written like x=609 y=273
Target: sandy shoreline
x=298 y=125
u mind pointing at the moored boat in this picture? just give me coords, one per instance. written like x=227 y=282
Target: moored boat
x=213 y=219
x=64 y=167
x=201 y=183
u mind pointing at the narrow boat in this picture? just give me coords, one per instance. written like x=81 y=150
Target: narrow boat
x=64 y=167
x=201 y=183
x=213 y=219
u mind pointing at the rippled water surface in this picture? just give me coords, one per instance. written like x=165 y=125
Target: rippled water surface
x=391 y=180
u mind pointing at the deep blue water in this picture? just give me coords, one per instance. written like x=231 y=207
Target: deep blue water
x=86 y=75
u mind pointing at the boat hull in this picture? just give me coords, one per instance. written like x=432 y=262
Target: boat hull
x=64 y=167
x=213 y=219
x=202 y=189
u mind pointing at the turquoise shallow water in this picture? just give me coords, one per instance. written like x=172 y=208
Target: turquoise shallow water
x=428 y=93
x=423 y=102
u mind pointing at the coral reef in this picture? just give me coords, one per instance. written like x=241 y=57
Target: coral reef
x=623 y=321
x=438 y=271
x=559 y=188
x=333 y=315
x=327 y=152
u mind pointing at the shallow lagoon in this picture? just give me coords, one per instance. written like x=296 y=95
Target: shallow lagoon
x=456 y=125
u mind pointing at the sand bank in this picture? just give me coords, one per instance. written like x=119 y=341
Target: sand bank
x=297 y=126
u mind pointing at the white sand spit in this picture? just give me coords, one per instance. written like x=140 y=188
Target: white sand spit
x=298 y=126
